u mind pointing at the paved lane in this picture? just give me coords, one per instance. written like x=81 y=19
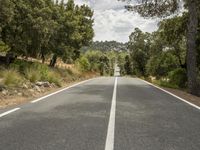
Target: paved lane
x=142 y=118
x=75 y=119
x=149 y=119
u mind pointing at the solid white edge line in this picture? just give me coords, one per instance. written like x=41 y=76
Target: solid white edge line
x=8 y=112
x=41 y=98
x=111 y=125
x=191 y=104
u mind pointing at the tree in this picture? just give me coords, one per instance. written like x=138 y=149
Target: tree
x=160 y=8
x=73 y=31
x=173 y=34
x=43 y=27
x=128 y=65
x=139 y=51
x=161 y=64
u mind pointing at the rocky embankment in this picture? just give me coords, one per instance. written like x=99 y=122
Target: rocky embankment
x=12 y=95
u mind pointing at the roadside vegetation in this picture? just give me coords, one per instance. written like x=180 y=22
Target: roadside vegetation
x=160 y=57
x=179 y=34
x=25 y=79
x=40 y=44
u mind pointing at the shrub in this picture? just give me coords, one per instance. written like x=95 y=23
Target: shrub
x=178 y=77
x=160 y=65
x=12 y=78
x=21 y=66
x=53 y=77
x=83 y=64
x=32 y=75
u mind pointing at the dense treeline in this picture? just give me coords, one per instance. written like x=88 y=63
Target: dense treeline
x=162 y=54
x=97 y=61
x=43 y=28
x=107 y=46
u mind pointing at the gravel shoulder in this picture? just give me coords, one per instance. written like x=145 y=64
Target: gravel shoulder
x=189 y=97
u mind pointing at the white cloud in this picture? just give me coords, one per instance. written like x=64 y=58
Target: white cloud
x=113 y=22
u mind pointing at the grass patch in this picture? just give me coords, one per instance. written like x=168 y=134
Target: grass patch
x=12 y=78
x=24 y=71
x=32 y=75
x=54 y=77
x=165 y=83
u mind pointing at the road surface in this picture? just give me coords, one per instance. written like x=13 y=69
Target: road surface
x=105 y=113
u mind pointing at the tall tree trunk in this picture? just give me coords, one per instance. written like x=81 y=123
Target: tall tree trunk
x=53 y=61
x=43 y=58
x=191 y=43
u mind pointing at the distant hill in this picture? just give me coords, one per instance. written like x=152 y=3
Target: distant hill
x=107 y=46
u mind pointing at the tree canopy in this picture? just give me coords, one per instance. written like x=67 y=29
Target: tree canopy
x=43 y=27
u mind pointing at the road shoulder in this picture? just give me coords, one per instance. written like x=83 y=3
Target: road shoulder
x=181 y=95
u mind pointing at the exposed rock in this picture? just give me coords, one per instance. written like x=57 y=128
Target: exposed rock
x=19 y=94
x=25 y=86
x=37 y=88
x=31 y=90
x=45 y=84
x=53 y=85
x=5 y=92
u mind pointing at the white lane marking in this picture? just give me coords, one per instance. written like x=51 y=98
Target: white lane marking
x=172 y=94
x=8 y=112
x=111 y=125
x=39 y=99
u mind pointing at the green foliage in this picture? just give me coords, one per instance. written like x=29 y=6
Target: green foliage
x=106 y=46
x=121 y=62
x=53 y=77
x=32 y=75
x=128 y=65
x=42 y=27
x=149 y=8
x=175 y=30
x=161 y=65
x=3 y=47
x=178 y=77
x=93 y=58
x=165 y=83
x=139 y=51
x=83 y=64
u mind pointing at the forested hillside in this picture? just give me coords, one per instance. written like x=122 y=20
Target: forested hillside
x=107 y=46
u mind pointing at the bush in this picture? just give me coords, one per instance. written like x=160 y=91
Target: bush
x=32 y=75
x=53 y=77
x=12 y=78
x=178 y=77
x=83 y=64
x=21 y=66
x=167 y=84
x=159 y=66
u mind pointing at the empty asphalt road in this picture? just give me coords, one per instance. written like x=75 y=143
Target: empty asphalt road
x=105 y=113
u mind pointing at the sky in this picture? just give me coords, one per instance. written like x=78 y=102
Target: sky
x=113 y=22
